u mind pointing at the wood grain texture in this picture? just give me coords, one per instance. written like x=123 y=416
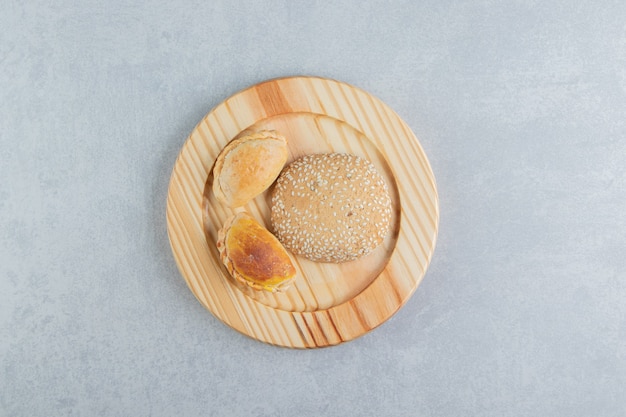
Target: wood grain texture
x=328 y=303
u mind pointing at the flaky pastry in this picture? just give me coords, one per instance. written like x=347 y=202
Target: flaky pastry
x=253 y=255
x=247 y=166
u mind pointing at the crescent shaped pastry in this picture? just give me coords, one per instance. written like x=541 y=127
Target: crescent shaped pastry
x=247 y=166
x=253 y=255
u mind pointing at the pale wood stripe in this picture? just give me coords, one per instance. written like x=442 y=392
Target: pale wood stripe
x=182 y=251
x=322 y=104
x=297 y=298
x=276 y=332
x=335 y=94
x=221 y=134
x=227 y=123
x=210 y=137
x=184 y=254
x=188 y=197
x=289 y=334
x=400 y=271
x=183 y=182
x=284 y=329
x=245 y=107
x=235 y=122
x=257 y=328
x=265 y=326
x=201 y=160
x=418 y=151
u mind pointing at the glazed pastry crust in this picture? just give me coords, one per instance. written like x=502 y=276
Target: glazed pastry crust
x=247 y=166
x=253 y=256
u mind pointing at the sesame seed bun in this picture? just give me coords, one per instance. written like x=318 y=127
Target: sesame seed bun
x=330 y=207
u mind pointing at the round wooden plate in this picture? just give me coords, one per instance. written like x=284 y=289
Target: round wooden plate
x=327 y=303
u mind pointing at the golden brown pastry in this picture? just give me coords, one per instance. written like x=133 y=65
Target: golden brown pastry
x=331 y=207
x=247 y=166
x=253 y=255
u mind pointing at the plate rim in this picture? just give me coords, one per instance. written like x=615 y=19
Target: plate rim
x=317 y=328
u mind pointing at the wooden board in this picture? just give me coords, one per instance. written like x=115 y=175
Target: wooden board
x=328 y=303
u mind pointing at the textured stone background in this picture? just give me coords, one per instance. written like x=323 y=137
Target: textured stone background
x=520 y=105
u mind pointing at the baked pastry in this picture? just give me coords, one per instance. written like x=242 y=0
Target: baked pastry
x=247 y=166
x=330 y=207
x=253 y=255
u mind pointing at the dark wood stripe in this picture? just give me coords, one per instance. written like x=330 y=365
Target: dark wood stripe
x=272 y=98
x=321 y=328
x=359 y=315
x=332 y=323
x=308 y=328
x=305 y=343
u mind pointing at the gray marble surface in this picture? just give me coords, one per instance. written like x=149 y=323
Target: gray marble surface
x=520 y=106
